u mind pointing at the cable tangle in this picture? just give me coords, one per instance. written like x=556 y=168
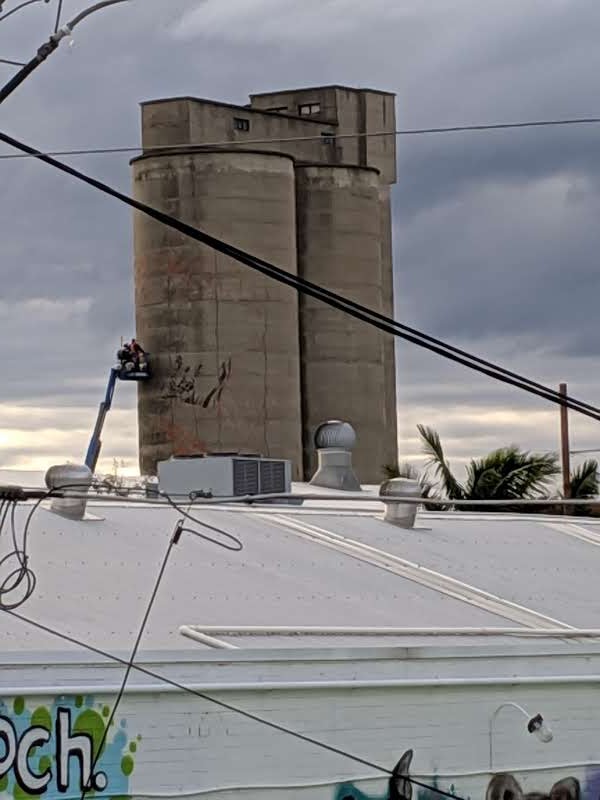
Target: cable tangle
x=10 y=496
x=17 y=579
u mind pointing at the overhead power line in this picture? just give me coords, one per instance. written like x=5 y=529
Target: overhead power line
x=58 y=16
x=19 y=7
x=332 y=299
x=131 y=663
x=320 y=137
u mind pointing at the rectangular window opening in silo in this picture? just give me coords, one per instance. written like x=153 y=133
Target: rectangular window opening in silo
x=278 y=109
x=308 y=109
x=328 y=138
x=241 y=124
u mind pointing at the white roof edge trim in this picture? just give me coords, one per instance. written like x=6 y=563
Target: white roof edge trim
x=263 y=686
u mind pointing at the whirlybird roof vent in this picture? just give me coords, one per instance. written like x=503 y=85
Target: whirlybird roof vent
x=335 y=441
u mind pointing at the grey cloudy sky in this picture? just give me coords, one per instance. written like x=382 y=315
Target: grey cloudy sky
x=496 y=234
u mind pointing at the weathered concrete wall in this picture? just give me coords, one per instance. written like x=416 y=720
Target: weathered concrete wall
x=220 y=208
x=343 y=362
x=291 y=101
x=191 y=121
x=223 y=339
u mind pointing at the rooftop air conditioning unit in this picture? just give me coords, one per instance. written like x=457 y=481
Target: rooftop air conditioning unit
x=224 y=476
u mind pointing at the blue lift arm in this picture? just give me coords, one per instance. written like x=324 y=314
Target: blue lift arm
x=95 y=444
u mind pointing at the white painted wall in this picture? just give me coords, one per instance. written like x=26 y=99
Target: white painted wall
x=191 y=747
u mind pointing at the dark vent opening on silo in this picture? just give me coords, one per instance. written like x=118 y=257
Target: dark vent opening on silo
x=272 y=477
x=245 y=476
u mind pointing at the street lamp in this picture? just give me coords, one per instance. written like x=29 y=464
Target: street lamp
x=535 y=725
x=50 y=46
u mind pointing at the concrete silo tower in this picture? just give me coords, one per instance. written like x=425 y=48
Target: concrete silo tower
x=223 y=339
x=241 y=363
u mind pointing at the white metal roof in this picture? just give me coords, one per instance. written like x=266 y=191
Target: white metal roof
x=326 y=563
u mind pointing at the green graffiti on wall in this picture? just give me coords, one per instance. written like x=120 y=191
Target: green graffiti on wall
x=48 y=750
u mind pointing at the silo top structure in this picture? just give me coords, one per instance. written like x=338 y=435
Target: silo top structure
x=263 y=203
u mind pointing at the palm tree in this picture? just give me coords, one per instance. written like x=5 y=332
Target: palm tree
x=583 y=484
x=584 y=481
x=507 y=473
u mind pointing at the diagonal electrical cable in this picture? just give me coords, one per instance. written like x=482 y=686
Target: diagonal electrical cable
x=19 y=7
x=131 y=663
x=234 y=543
x=58 y=16
x=331 y=298
x=222 y=704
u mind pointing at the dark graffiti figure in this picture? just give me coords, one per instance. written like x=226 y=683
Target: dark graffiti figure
x=214 y=396
x=506 y=787
x=181 y=384
x=400 y=788
x=501 y=787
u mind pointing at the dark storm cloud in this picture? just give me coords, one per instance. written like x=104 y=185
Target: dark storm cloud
x=496 y=233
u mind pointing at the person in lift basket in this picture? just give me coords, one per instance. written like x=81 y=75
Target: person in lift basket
x=132 y=357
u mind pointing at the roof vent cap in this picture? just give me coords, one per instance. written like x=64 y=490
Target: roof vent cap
x=335 y=433
x=334 y=441
x=70 y=477
x=401 y=514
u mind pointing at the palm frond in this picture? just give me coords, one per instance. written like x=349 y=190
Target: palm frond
x=403 y=470
x=584 y=481
x=432 y=447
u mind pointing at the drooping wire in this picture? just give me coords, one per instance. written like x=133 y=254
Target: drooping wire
x=174 y=540
x=20 y=579
x=19 y=7
x=17 y=581
x=58 y=16
x=234 y=545
x=227 y=706
x=332 y=299
x=498 y=126
x=130 y=665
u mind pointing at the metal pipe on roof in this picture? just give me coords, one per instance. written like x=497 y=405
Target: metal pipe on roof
x=37 y=494
x=210 y=641
x=324 y=630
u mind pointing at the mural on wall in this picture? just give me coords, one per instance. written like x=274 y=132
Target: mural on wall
x=49 y=750
x=213 y=398
x=501 y=787
x=398 y=787
x=506 y=787
x=181 y=384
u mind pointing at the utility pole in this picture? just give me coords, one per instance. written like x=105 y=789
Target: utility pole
x=564 y=444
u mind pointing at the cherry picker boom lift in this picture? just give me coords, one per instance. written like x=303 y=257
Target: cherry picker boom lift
x=116 y=373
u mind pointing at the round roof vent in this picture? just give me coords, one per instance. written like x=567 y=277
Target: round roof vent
x=74 y=477
x=335 y=434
